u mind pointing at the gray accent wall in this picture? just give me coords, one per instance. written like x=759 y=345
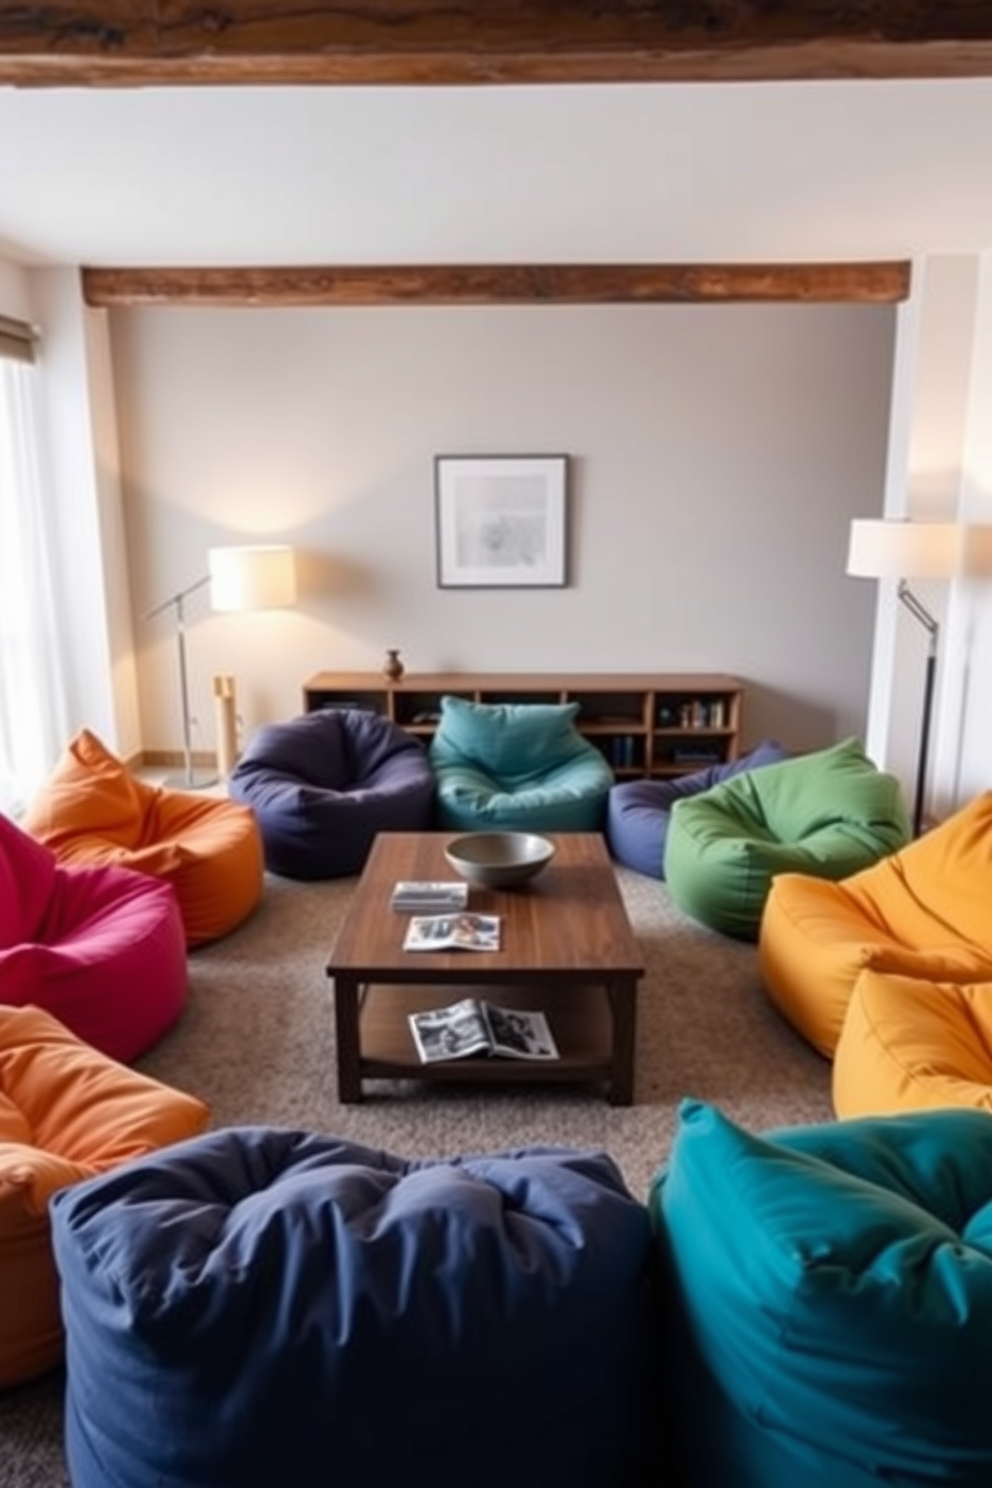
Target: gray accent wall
x=717 y=456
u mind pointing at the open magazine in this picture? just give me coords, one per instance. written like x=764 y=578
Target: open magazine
x=476 y=1027
x=452 y=932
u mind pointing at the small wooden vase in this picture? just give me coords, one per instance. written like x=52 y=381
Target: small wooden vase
x=392 y=667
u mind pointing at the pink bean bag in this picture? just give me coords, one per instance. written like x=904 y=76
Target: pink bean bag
x=101 y=949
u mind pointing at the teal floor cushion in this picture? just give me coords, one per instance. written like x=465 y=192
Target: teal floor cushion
x=828 y=813
x=831 y=1292
x=517 y=767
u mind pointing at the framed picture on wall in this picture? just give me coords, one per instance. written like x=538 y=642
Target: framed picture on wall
x=501 y=521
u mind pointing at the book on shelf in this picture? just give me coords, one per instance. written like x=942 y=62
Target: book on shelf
x=430 y=895
x=473 y=1026
x=452 y=932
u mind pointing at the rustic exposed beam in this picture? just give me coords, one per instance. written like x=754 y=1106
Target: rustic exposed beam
x=502 y=284
x=135 y=42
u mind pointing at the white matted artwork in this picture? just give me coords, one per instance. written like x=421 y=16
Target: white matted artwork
x=501 y=521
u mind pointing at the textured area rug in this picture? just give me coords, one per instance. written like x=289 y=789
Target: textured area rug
x=257 y=1042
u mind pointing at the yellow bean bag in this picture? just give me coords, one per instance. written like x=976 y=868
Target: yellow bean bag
x=925 y=912
x=908 y=1045
x=93 y=810
x=67 y=1113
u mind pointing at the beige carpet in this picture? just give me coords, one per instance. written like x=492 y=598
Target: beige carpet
x=257 y=1042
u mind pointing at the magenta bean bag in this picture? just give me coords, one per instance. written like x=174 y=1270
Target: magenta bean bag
x=101 y=949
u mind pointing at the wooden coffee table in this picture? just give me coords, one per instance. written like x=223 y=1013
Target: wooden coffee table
x=567 y=948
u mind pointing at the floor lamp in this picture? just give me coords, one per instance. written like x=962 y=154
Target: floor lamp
x=252 y=577
x=904 y=550
x=191 y=778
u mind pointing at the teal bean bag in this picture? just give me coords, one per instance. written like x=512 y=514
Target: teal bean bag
x=829 y=1320
x=517 y=767
x=829 y=814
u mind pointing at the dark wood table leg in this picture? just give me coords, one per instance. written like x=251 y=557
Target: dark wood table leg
x=346 y=992
x=622 y=992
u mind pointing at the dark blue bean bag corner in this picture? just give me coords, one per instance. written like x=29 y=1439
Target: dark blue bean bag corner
x=638 y=811
x=322 y=785
x=263 y=1307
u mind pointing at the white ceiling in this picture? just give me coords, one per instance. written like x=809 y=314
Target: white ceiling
x=667 y=172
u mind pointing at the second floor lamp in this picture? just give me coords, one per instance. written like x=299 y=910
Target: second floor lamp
x=904 y=550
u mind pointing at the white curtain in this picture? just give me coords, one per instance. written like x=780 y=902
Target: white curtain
x=33 y=709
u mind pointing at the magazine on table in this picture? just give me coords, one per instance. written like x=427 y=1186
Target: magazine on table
x=473 y=1026
x=436 y=897
x=452 y=932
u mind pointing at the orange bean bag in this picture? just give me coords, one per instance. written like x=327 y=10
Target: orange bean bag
x=925 y=912
x=67 y=1113
x=93 y=810
x=909 y=1045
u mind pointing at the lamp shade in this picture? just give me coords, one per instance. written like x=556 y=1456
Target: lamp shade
x=256 y=577
x=905 y=550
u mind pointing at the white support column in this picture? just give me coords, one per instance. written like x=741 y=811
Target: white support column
x=939 y=469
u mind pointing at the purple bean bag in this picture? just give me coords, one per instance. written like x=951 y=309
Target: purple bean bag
x=638 y=811
x=322 y=786
x=261 y=1307
x=102 y=949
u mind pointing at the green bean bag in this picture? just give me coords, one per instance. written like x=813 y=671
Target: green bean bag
x=517 y=767
x=829 y=1301
x=828 y=814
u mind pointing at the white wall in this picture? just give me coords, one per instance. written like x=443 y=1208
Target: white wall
x=717 y=457
x=15 y=293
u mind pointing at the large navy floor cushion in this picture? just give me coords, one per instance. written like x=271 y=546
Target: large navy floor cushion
x=263 y=1307
x=322 y=785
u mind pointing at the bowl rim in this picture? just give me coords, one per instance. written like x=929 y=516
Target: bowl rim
x=544 y=848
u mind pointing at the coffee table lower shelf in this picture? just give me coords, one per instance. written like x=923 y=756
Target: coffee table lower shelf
x=580 y=1018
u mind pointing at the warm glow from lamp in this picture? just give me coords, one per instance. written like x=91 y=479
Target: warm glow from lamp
x=256 y=577
x=906 y=550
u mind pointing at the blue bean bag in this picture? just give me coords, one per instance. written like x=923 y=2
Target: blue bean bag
x=262 y=1307
x=830 y=1301
x=517 y=767
x=638 y=811
x=322 y=785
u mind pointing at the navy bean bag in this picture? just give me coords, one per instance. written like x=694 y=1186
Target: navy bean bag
x=638 y=811
x=266 y=1308
x=322 y=785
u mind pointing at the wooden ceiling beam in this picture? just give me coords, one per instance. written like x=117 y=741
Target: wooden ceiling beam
x=502 y=284
x=158 y=42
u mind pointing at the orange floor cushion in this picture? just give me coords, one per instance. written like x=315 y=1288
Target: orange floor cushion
x=67 y=1113
x=924 y=911
x=910 y=1045
x=93 y=810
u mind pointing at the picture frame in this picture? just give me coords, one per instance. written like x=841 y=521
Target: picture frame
x=501 y=521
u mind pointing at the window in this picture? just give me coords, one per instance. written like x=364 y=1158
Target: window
x=33 y=708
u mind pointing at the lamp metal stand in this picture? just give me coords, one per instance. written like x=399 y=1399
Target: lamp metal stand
x=191 y=778
x=920 y=612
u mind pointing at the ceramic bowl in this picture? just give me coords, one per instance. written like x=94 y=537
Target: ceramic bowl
x=499 y=860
